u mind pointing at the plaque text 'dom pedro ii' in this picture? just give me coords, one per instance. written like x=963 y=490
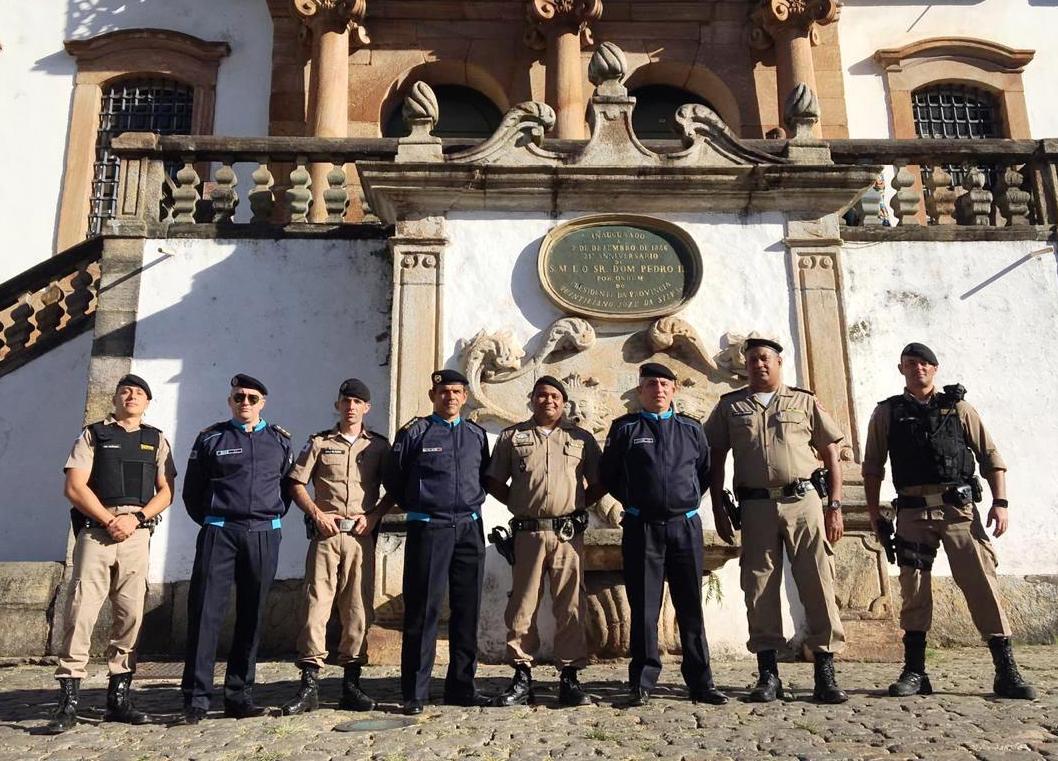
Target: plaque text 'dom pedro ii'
x=619 y=266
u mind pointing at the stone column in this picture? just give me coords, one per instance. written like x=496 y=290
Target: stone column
x=792 y=28
x=331 y=24
x=560 y=26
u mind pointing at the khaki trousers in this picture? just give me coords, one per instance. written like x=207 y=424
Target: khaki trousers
x=973 y=566
x=539 y=555
x=104 y=568
x=338 y=569
x=768 y=529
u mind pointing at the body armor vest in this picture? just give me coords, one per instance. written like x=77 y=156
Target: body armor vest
x=927 y=444
x=124 y=468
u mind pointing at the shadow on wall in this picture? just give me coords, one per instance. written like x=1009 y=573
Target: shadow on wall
x=87 y=18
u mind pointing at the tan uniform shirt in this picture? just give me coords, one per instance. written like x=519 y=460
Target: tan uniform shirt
x=345 y=477
x=772 y=445
x=980 y=442
x=547 y=473
x=83 y=453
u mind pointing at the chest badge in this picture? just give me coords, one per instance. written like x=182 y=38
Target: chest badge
x=644 y=440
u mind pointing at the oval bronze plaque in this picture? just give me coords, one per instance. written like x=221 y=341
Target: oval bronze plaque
x=619 y=266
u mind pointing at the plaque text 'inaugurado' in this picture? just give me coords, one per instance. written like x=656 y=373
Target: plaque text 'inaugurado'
x=619 y=267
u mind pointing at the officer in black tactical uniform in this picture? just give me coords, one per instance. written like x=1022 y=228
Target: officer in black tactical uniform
x=656 y=464
x=931 y=439
x=233 y=489
x=436 y=472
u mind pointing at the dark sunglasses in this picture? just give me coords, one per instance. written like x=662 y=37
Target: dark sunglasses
x=251 y=398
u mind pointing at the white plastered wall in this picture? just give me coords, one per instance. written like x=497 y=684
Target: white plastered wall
x=867 y=26
x=37 y=77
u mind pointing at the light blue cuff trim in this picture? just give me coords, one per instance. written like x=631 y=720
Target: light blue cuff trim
x=633 y=511
x=419 y=517
x=475 y=516
x=691 y=513
x=277 y=523
x=214 y=520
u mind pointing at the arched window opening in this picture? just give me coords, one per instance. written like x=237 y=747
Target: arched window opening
x=654 y=116
x=162 y=106
x=464 y=112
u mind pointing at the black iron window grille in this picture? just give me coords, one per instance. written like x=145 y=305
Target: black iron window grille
x=162 y=106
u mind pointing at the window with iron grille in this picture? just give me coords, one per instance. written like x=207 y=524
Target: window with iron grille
x=162 y=106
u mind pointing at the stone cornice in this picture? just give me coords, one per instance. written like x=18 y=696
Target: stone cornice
x=1011 y=60
x=775 y=18
x=565 y=15
x=333 y=16
x=125 y=41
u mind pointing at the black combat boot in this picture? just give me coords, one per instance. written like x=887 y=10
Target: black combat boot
x=520 y=691
x=913 y=679
x=308 y=697
x=65 y=716
x=1009 y=682
x=353 y=698
x=769 y=686
x=119 y=701
x=570 y=692
x=827 y=690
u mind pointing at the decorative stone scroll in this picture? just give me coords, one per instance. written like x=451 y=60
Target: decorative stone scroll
x=334 y=16
x=774 y=18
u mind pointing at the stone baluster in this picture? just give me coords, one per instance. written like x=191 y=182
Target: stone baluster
x=17 y=334
x=262 y=199
x=974 y=207
x=560 y=27
x=224 y=196
x=792 y=28
x=186 y=196
x=331 y=23
x=905 y=202
x=940 y=203
x=868 y=208
x=299 y=195
x=81 y=292
x=336 y=196
x=51 y=312
x=1011 y=200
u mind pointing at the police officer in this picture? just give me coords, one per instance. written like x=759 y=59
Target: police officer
x=436 y=472
x=344 y=465
x=931 y=438
x=772 y=429
x=119 y=478
x=233 y=490
x=656 y=464
x=548 y=461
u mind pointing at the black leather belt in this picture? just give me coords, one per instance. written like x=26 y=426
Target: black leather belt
x=566 y=526
x=798 y=488
x=959 y=496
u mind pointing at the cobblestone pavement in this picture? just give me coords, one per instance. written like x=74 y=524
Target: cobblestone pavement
x=960 y=722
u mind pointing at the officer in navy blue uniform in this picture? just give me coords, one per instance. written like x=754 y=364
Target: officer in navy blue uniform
x=233 y=489
x=656 y=464
x=436 y=472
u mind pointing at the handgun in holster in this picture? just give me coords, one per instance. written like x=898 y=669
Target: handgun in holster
x=819 y=482
x=734 y=512
x=887 y=536
x=504 y=542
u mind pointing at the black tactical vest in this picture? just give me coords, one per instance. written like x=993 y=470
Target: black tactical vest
x=927 y=444
x=124 y=468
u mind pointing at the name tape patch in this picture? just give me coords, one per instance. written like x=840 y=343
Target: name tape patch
x=428 y=450
x=222 y=452
x=646 y=440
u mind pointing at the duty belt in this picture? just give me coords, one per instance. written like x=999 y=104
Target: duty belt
x=798 y=489
x=81 y=521
x=959 y=496
x=566 y=526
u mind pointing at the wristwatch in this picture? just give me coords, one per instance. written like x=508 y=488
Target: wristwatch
x=834 y=504
x=140 y=517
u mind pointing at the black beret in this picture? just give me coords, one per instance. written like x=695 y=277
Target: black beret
x=138 y=382
x=656 y=370
x=921 y=351
x=444 y=377
x=754 y=342
x=248 y=381
x=550 y=380
x=355 y=387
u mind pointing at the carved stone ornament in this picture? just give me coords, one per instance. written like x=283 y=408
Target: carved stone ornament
x=517 y=140
x=334 y=16
x=573 y=15
x=420 y=112
x=607 y=69
x=772 y=18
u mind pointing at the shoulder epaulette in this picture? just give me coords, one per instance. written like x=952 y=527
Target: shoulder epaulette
x=324 y=432
x=689 y=417
x=148 y=425
x=474 y=424
x=802 y=390
x=280 y=430
x=732 y=393
x=214 y=426
x=892 y=399
x=93 y=425
x=410 y=423
x=376 y=434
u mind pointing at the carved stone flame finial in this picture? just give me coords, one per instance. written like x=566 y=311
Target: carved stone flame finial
x=801 y=112
x=420 y=108
x=607 y=69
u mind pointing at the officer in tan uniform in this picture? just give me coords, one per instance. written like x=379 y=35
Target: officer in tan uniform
x=344 y=465
x=548 y=461
x=119 y=477
x=931 y=439
x=774 y=432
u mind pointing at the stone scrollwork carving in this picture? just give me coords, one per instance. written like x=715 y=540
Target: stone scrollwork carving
x=708 y=141
x=335 y=16
x=517 y=140
x=772 y=18
x=574 y=14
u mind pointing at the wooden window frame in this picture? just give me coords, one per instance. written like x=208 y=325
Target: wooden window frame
x=960 y=60
x=118 y=55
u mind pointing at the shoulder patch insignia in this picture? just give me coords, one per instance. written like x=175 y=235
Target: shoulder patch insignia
x=281 y=430
x=410 y=423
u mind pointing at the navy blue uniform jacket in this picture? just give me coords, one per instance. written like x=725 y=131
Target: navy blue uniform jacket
x=235 y=475
x=437 y=469
x=656 y=464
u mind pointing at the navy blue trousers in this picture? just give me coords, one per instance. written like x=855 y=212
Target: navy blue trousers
x=653 y=552
x=439 y=556
x=225 y=557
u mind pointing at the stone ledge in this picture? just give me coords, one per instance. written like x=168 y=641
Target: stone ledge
x=945 y=233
